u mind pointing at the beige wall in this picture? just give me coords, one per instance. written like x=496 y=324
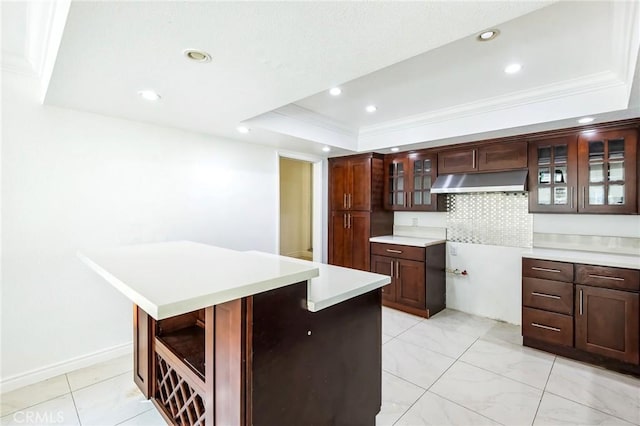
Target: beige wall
x=295 y=207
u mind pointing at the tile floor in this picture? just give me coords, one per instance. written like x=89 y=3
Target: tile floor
x=454 y=369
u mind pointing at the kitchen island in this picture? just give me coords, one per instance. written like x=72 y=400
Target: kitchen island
x=247 y=338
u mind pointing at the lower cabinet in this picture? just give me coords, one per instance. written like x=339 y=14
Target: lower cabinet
x=590 y=313
x=417 y=277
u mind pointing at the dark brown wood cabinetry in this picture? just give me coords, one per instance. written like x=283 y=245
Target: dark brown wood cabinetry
x=483 y=158
x=586 y=312
x=356 y=213
x=408 y=181
x=417 y=277
x=588 y=172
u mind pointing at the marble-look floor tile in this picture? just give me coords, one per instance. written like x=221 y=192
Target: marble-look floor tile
x=438 y=339
x=110 y=402
x=57 y=411
x=496 y=397
x=148 y=418
x=612 y=393
x=33 y=394
x=432 y=409
x=386 y=338
x=503 y=332
x=96 y=373
x=523 y=364
x=414 y=363
x=396 y=322
x=397 y=396
x=555 y=411
x=462 y=322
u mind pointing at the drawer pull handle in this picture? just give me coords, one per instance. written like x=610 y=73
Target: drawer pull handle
x=606 y=278
x=394 y=251
x=535 y=268
x=546 y=327
x=550 y=296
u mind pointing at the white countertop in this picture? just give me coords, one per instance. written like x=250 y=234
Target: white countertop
x=336 y=284
x=407 y=241
x=168 y=279
x=585 y=257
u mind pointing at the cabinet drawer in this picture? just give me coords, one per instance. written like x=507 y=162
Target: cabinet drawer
x=547 y=326
x=398 y=251
x=547 y=269
x=555 y=296
x=604 y=276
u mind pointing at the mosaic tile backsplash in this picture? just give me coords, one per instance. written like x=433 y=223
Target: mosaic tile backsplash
x=500 y=219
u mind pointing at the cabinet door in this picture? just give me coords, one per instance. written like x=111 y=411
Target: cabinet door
x=607 y=172
x=423 y=173
x=359 y=194
x=338 y=184
x=457 y=161
x=385 y=266
x=358 y=224
x=553 y=175
x=395 y=183
x=410 y=285
x=502 y=156
x=340 y=240
x=607 y=322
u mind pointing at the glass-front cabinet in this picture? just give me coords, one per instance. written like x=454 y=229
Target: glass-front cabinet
x=590 y=172
x=607 y=174
x=553 y=175
x=409 y=177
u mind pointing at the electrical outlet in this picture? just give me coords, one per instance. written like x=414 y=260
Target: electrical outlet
x=453 y=251
x=414 y=221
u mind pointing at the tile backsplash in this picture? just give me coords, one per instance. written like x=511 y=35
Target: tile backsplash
x=500 y=219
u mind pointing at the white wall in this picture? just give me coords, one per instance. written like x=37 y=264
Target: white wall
x=493 y=287
x=73 y=180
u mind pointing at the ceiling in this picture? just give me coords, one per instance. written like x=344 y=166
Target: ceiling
x=273 y=63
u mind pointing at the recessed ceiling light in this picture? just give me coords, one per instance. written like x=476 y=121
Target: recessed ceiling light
x=148 y=95
x=395 y=149
x=371 y=108
x=326 y=149
x=488 y=35
x=513 y=68
x=585 y=120
x=242 y=129
x=335 y=91
x=197 y=55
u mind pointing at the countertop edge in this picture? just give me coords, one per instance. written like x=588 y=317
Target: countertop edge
x=589 y=258
x=407 y=241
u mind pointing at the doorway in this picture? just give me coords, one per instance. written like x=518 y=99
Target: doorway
x=296 y=208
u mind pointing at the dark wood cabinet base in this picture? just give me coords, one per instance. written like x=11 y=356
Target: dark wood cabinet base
x=579 y=355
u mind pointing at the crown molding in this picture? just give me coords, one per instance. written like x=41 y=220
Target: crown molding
x=312 y=118
x=625 y=29
x=590 y=83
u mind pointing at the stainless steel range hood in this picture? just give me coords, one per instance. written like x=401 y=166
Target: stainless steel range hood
x=511 y=181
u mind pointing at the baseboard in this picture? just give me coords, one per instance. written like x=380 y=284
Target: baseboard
x=39 y=374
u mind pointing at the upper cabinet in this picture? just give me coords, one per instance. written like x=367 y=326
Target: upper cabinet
x=553 y=175
x=408 y=181
x=607 y=164
x=483 y=158
x=356 y=182
x=593 y=172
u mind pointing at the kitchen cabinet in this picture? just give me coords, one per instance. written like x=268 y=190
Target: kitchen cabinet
x=590 y=172
x=408 y=181
x=586 y=312
x=355 y=209
x=417 y=277
x=483 y=158
x=607 y=180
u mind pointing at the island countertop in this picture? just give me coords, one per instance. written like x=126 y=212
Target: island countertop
x=168 y=279
x=173 y=278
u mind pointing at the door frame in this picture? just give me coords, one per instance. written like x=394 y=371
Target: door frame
x=319 y=200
